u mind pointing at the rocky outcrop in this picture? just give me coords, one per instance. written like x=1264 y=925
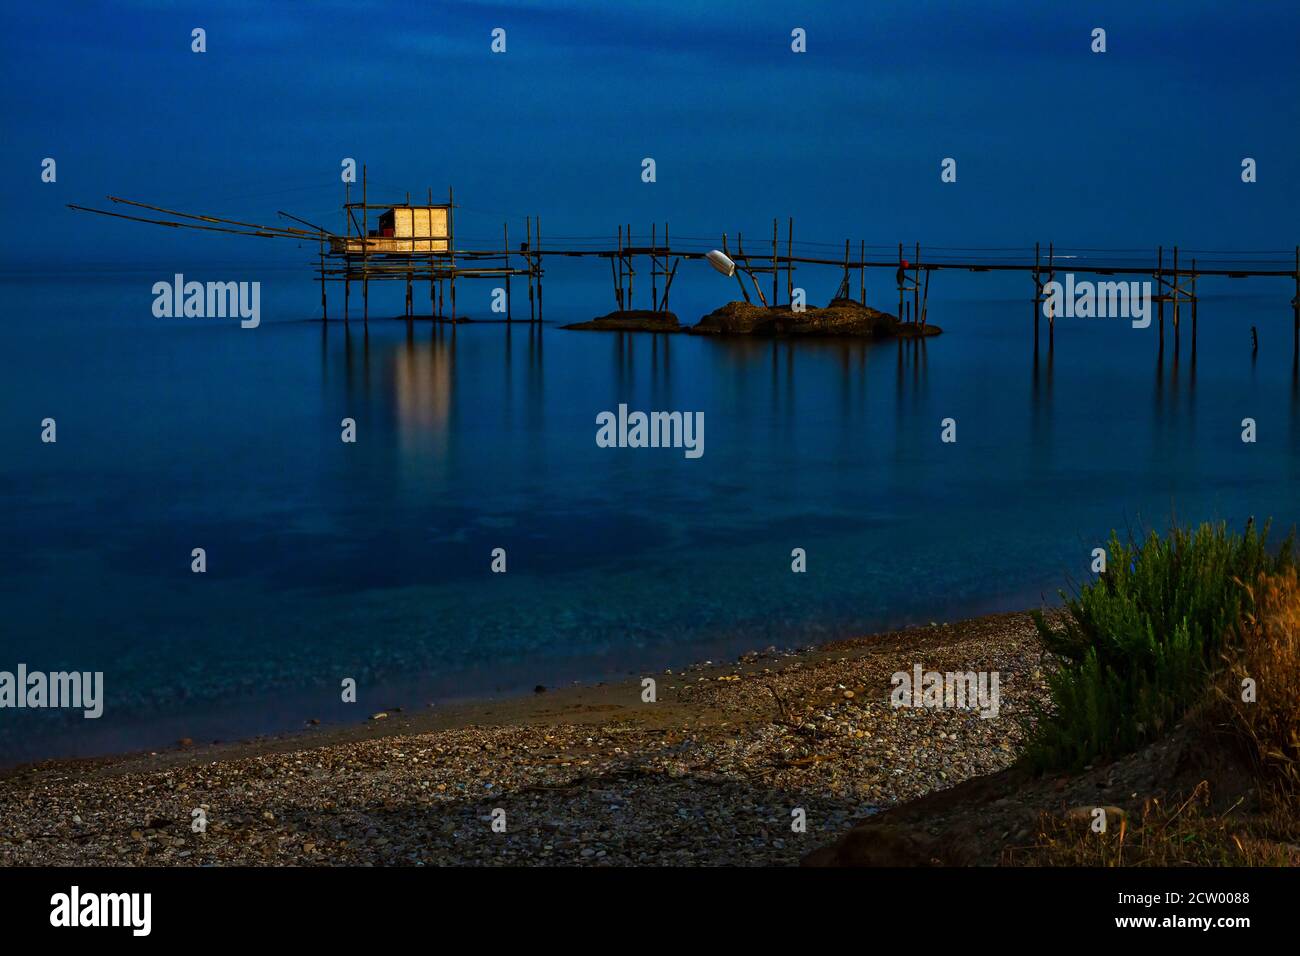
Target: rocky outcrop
x=631 y=320
x=843 y=317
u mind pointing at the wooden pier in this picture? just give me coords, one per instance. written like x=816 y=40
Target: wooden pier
x=416 y=244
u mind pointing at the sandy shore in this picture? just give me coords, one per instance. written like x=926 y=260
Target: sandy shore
x=708 y=774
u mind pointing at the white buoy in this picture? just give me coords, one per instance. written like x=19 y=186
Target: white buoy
x=722 y=262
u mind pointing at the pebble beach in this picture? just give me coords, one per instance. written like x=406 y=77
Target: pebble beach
x=719 y=770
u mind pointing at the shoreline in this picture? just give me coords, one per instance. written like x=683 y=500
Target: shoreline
x=709 y=773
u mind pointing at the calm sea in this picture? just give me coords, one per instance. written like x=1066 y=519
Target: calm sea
x=372 y=560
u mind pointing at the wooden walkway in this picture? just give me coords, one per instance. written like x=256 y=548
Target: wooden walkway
x=1174 y=273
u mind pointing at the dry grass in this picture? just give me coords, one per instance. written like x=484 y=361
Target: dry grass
x=1269 y=725
x=1261 y=830
x=1189 y=833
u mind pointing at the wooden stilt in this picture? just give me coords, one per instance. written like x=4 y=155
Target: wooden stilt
x=365 y=252
x=775 y=300
x=324 y=310
x=916 y=285
x=668 y=276
x=654 y=275
x=1038 y=294
x=451 y=251
x=739 y=281
x=740 y=254
x=1160 y=288
x=1051 y=312
x=901 y=277
x=433 y=303
x=862 y=272
x=789 y=263
x=1178 y=294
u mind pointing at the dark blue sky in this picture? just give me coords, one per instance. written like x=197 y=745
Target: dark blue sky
x=1139 y=146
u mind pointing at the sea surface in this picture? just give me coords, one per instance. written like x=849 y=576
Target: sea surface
x=371 y=561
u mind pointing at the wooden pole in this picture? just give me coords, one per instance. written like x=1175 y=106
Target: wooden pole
x=668 y=253
x=740 y=253
x=739 y=281
x=862 y=272
x=505 y=232
x=1194 y=305
x=539 y=269
x=1160 y=289
x=845 y=281
x=365 y=250
x=433 y=303
x=916 y=285
x=1051 y=313
x=775 y=273
x=451 y=250
x=347 y=257
x=669 y=284
x=324 y=310
x=925 y=300
x=789 y=264
x=1178 y=294
x=1038 y=294
x=528 y=242
x=901 y=276
x=613 y=278
x=654 y=275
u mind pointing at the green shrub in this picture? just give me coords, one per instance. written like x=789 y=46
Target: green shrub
x=1139 y=646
